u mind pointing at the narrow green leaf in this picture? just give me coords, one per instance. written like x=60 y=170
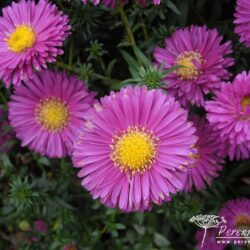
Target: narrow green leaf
x=110 y=67
x=142 y=57
x=160 y=240
x=170 y=70
x=130 y=60
x=118 y=86
x=173 y=7
x=133 y=72
x=120 y=226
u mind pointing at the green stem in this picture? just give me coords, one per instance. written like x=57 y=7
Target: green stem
x=131 y=37
x=62 y=163
x=127 y=25
x=67 y=67
x=76 y=71
x=62 y=166
x=102 y=65
x=144 y=28
x=107 y=78
x=106 y=228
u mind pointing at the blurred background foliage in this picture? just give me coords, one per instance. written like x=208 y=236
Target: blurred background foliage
x=37 y=188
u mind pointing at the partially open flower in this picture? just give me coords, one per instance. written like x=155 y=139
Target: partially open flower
x=207 y=162
x=229 y=114
x=203 y=61
x=242 y=21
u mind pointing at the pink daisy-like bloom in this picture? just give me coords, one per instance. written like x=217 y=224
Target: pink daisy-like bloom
x=207 y=162
x=134 y=149
x=6 y=134
x=229 y=114
x=210 y=242
x=113 y=3
x=237 y=214
x=242 y=21
x=30 y=36
x=46 y=111
x=203 y=62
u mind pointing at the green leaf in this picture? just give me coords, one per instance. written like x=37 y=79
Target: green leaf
x=44 y=161
x=62 y=203
x=173 y=7
x=133 y=72
x=130 y=60
x=118 y=86
x=110 y=67
x=131 y=80
x=142 y=57
x=160 y=240
x=6 y=161
x=120 y=226
x=170 y=70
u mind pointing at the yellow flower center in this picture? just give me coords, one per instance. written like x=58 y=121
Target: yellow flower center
x=52 y=114
x=21 y=39
x=245 y=101
x=188 y=70
x=134 y=150
x=243 y=221
x=245 y=107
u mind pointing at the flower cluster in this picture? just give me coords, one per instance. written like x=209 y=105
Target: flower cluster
x=161 y=136
x=138 y=146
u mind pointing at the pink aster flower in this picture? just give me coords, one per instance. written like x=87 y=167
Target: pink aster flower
x=30 y=36
x=203 y=62
x=229 y=114
x=237 y=214
x=134 y=149
x=210 y=242
x=207 y=162
x=6 y=134
x=242 y=21
x=46 y=111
